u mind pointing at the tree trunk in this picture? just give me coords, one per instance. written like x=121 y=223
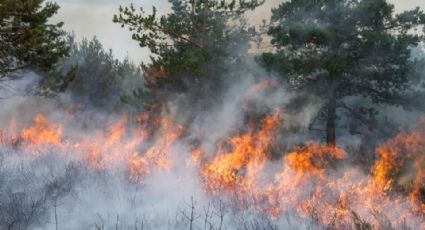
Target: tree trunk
x=330 y=122
x=204 y=26
x=193 y=7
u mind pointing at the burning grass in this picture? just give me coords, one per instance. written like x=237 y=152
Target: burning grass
x=313 y=183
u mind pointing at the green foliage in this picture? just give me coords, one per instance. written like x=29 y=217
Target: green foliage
x=27 y=38
x=139 y=98
x=93 y=75
x=332 y=49
x=194 y=46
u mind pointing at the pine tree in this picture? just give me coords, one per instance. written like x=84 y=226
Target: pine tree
x=27 y=40
x=335 y=49
x=194 y=46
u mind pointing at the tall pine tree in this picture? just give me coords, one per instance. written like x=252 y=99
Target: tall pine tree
x=27 y=39
x=335 y=49
x=193 y=47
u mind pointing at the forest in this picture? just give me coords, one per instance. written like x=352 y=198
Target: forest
x=312 y=118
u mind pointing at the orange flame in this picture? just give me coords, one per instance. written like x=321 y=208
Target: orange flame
x=157 y=155
x=248 y=155
x=313 y=158
x=42 y=133
x=309 y=182
x=401 y=166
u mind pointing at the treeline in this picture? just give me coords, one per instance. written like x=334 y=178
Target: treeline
x=350 y=57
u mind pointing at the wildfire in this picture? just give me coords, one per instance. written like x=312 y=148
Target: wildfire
x=313 y=158
x=311 y=185
x=401 y=166
x=248 y=154
x=109 y=147
x=116 y=145
x=42 y=132
x=157 y=155
x=311 y=181
x=303 y=184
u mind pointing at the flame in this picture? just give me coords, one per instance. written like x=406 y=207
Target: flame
x=401 y=166
x=195 y=158
x=302 y=183
x=157 y=155
x=116 y=132
x=313 y=158
x=311 y=181
x=116 y=145
x=248 y=154
x=42 y=132
x=111 y=147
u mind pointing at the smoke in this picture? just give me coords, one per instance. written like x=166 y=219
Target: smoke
x=78 y=194
x=243 y=162
x=86 y=181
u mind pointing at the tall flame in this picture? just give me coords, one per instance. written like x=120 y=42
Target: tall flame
x=401 y=166
x=42 y=132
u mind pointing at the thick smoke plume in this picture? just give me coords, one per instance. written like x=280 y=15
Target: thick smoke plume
x=235 y=166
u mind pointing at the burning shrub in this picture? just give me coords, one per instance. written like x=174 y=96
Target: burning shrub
x=42 y=132
x=401 y=165
x=247 y=155
x=313 y=158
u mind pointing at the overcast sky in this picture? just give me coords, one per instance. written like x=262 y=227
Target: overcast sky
x=88 y=18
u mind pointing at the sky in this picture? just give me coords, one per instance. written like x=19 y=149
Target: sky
x=89 y=18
